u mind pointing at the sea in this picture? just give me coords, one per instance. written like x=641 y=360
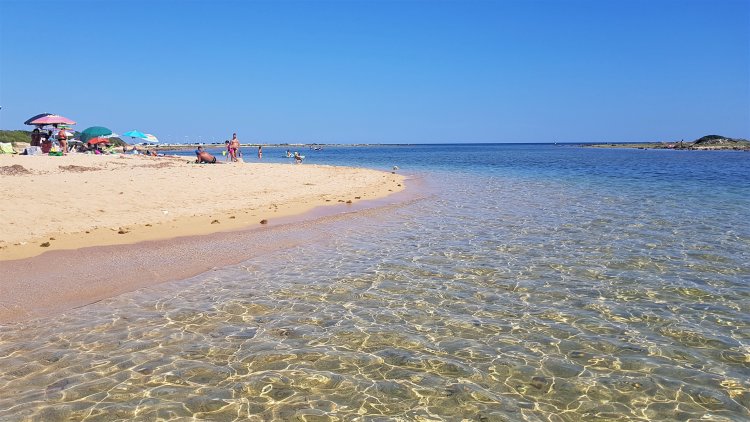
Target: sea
x=512 y=282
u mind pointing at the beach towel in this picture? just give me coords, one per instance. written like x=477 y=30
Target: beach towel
x=6 y=148
x=32 y=151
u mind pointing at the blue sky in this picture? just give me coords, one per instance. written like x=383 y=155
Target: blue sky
x=382 y=71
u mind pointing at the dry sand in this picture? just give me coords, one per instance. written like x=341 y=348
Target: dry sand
x=50 y=203
x=186 y=218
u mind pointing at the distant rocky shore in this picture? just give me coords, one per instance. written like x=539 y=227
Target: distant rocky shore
x=706 y=143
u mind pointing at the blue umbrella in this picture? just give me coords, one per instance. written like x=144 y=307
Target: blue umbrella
x=28 y=122
x=136 y=134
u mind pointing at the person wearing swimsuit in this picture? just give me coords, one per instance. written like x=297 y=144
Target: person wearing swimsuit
x=62 y=138
x=234 y=145
x=204 y=157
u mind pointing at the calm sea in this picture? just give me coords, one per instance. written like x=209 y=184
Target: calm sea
x=523 y=282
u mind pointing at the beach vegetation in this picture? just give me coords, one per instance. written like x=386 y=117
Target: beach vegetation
x=14 y=136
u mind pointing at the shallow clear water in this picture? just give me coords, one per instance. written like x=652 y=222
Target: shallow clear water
x=526 y=282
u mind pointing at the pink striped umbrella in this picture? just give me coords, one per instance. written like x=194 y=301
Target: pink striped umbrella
x=52 y=119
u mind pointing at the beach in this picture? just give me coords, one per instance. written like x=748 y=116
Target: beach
x=83 y=200
x=506 y=282
x=58 y=205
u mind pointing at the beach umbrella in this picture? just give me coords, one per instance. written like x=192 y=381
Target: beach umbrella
x=51 y=119
x=68 y=133
x=135 y=134
x=38 y=116
x=96 y=132
x=151 y=138
x=98 y=140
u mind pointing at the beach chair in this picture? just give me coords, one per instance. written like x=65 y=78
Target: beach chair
x=7 y=148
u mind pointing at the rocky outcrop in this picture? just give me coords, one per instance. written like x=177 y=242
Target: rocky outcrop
x=717 y=140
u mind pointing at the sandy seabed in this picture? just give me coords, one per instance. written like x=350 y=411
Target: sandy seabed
x=166 y=206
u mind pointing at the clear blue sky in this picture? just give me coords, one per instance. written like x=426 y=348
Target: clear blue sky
x=382 y=71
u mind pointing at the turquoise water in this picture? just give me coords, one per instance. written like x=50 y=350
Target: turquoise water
x=523 y=282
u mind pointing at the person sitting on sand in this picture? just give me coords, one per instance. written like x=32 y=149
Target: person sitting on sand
x=36 y=138
x=203 y=156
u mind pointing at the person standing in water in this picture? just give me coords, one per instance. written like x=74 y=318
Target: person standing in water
x=260 y=152
x=234 y=146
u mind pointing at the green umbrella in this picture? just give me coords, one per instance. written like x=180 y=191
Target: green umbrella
x=95 y=132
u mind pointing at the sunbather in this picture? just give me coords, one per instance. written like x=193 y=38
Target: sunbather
x=204 y=157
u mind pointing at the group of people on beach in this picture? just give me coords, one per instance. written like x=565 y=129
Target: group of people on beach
x=44 y=140
x=234 y=153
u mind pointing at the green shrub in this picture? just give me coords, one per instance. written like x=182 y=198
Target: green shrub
x=14 y=136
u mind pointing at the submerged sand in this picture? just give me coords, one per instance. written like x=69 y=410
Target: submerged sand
x=52 y=203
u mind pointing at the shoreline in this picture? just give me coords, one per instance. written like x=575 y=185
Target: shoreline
x=61 y=280
x=76 y=201
x=75 y=273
